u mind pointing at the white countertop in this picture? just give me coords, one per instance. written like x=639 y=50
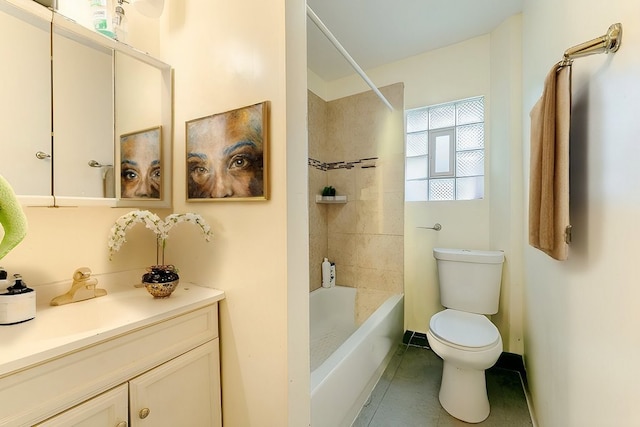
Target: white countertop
x=56 y=331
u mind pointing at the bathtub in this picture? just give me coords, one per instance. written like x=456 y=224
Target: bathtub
x=347 y=360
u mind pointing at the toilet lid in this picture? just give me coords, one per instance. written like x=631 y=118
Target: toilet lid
x=464 y=329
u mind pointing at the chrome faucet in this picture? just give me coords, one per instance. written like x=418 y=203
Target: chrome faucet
x=83 y=287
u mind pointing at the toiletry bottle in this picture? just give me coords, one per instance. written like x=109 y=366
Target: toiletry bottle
x=332 y=278
x=120 y=23
x=100 y=15
x=326 y=273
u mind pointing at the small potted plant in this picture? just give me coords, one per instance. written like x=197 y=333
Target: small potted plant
x=329 y=192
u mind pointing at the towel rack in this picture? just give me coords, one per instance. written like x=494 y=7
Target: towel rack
x=610 y=42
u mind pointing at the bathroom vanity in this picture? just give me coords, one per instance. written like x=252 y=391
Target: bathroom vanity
x=125 y=359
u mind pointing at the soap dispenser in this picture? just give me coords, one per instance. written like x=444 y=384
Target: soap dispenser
x=4 y=283
x=18 y=303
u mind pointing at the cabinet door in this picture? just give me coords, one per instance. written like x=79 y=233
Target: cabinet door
x=182 y=392
x=82 y=117
x=106 y=410
x=25 y=103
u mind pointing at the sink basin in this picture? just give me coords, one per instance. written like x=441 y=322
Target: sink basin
x=59 y=330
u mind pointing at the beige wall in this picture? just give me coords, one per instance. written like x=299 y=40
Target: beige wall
x=505 y=174
x=225 y=55
x=364 y=237
x=228 y=55
x=582 y=315
x=59 y=240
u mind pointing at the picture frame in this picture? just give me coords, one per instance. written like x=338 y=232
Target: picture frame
x=227 y=155
x=141 y=175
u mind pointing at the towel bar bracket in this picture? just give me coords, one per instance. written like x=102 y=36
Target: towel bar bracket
x=436 y=227
x=608 y=43
x=567 y=234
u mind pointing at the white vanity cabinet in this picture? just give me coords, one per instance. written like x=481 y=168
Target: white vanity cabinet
x=183 y=391
x=161 y=368
x=108 y=409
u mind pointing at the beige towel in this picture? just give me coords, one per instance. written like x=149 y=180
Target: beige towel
x=549 y=174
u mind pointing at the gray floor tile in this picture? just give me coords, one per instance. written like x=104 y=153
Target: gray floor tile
x=407 y=395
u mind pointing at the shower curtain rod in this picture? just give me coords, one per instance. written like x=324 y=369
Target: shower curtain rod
x=610 y=42
x=316 y=20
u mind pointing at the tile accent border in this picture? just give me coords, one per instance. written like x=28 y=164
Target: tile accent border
x=369 y=162
x=317 y=164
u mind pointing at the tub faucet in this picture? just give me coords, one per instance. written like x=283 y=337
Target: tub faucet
x=83 y=287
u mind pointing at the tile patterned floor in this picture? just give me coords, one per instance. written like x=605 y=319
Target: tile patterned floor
x=407 y=395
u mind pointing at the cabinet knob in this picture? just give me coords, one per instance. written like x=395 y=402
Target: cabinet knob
x=42 y=155
x=122 y=424
x=144 y=413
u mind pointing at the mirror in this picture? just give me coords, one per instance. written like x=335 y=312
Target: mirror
x=144 y=109
x=120 y=98
x=138 y=128
x=25 y=112
x=83 y=117
x=75 y=97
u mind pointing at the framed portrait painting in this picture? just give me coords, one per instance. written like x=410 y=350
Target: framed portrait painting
x=141 y=164
x=227 y=155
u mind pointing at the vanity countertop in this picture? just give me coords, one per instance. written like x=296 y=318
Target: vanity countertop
x=56 y=331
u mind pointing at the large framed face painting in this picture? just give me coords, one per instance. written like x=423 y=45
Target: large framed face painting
x=140 y=164
x=227 y=155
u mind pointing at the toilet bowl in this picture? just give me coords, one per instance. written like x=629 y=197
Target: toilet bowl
x=468 y=344
x=462 y=335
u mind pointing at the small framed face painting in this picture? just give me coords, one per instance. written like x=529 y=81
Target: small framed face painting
x=227 y=155
x=140 y=164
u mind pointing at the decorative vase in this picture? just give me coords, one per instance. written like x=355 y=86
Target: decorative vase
x=160 y=280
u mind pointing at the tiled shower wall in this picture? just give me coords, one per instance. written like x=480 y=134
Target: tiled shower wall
x=317 y=123
x=356 y=145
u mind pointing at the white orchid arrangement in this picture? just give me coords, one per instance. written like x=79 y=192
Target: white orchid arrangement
x=153 y=222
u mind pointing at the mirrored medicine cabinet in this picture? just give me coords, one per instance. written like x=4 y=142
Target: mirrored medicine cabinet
x=84 y=119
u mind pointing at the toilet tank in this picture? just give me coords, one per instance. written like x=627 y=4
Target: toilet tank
x=469 y=280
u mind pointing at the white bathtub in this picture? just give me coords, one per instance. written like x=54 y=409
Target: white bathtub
x=346 y=360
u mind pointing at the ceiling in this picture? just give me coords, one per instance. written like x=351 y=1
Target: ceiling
x=377 y=32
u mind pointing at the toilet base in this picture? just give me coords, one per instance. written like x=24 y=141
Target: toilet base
x=463 y=393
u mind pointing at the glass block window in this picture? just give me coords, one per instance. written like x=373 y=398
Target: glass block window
x=445 y=151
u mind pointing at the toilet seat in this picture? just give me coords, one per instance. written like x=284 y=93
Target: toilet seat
x=470 y=331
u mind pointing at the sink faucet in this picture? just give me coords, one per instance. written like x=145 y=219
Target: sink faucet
x=82 y=288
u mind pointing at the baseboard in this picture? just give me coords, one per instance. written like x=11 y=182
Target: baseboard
x=512 y=362
x=509 y=361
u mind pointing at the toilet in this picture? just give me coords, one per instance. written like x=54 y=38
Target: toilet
x=462 y=335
